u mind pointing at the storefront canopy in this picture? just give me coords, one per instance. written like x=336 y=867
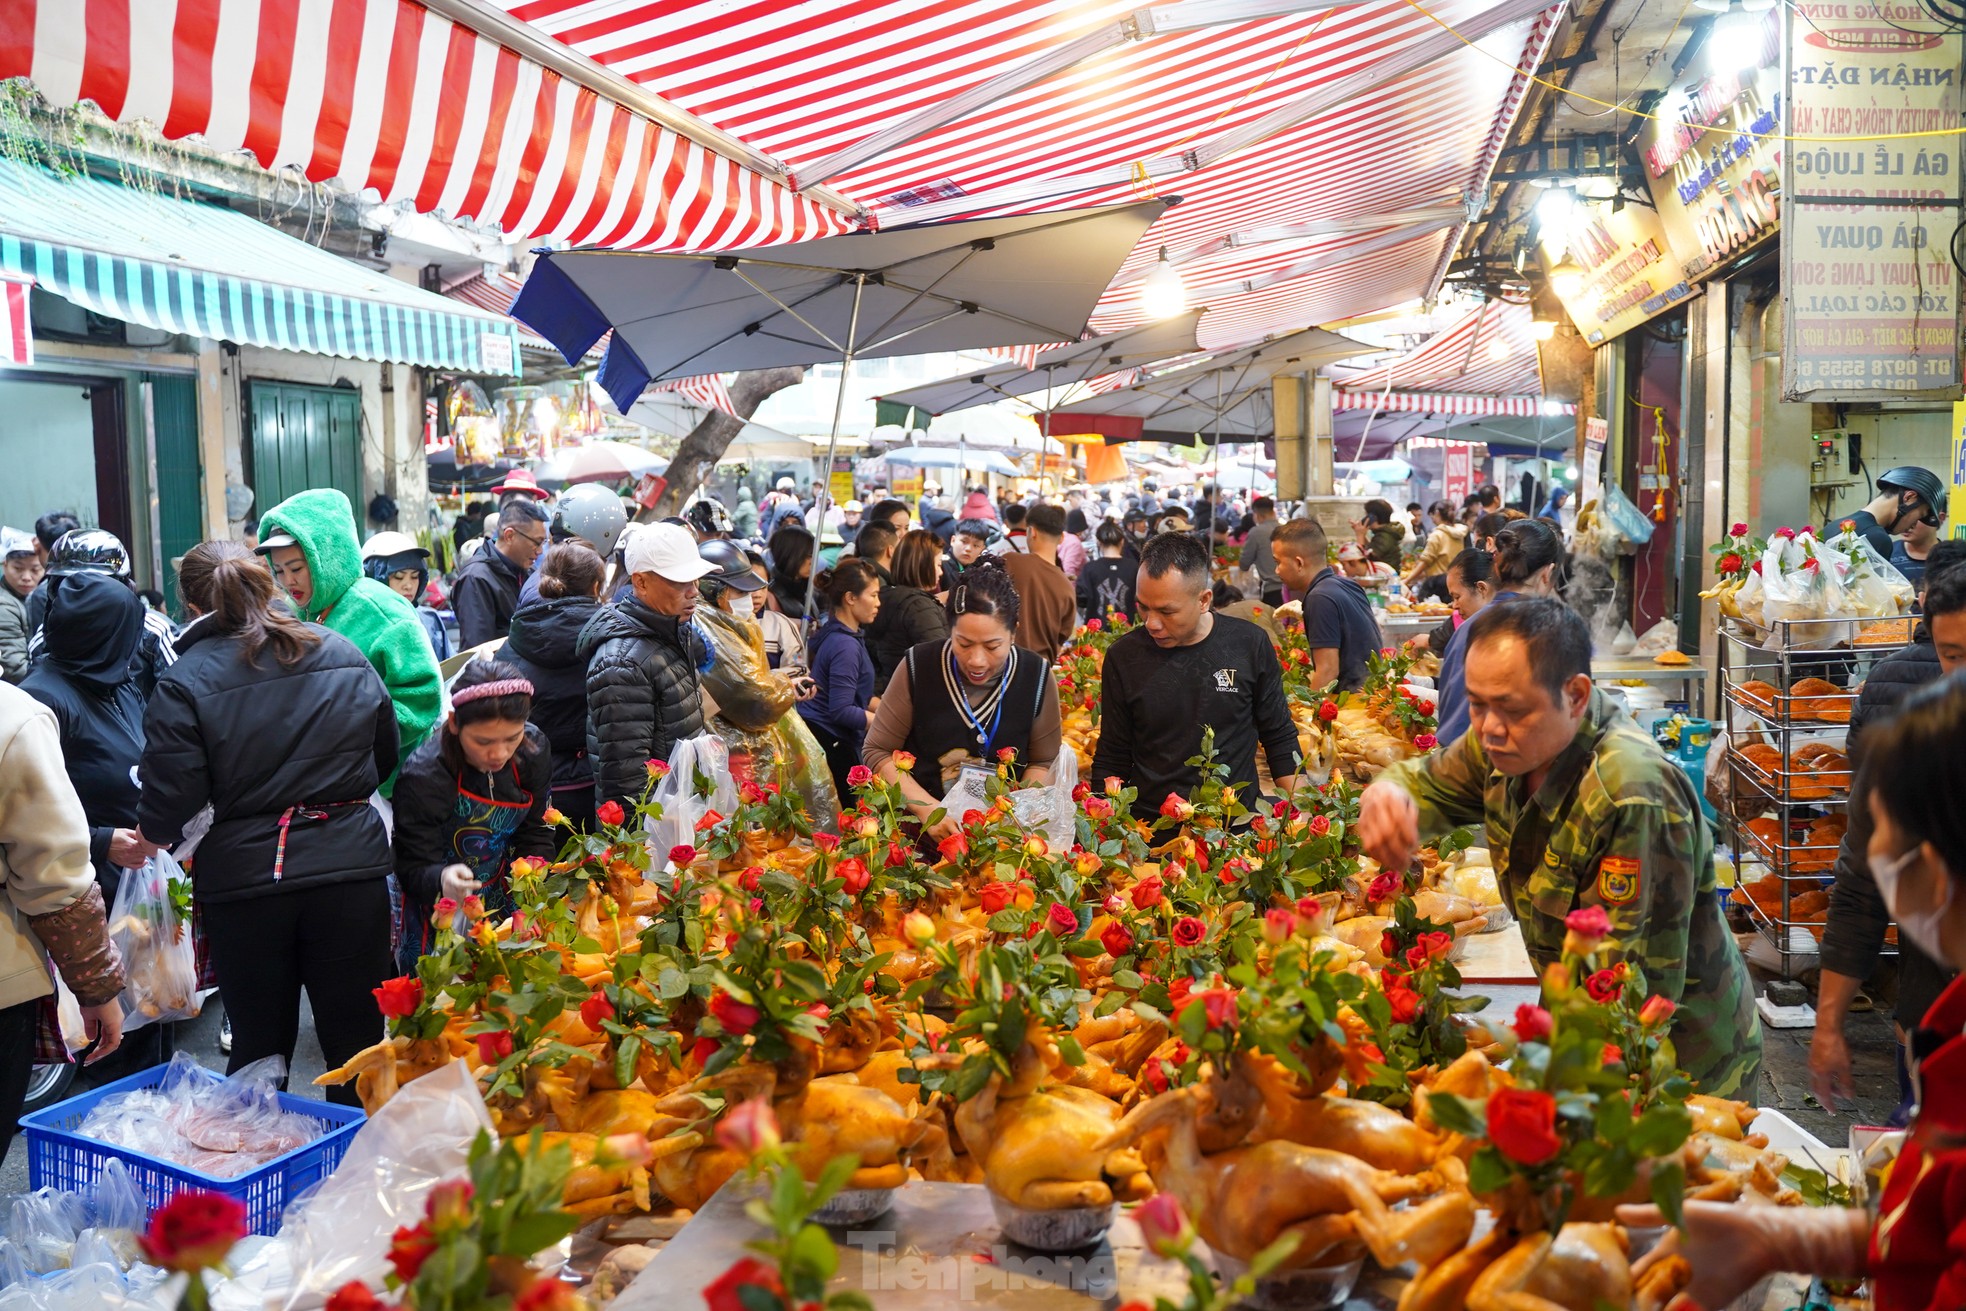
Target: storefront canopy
x=1330 y=154
x=1075 y=365
x=181 y=266
x=1490 y=350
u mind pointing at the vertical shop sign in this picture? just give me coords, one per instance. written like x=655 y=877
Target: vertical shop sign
x=1956 y=505
x=1457 y=473
x=1597 y=435
x=1870 y=292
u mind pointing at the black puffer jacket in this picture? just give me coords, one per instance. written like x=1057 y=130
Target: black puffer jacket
x=908 y=617
x=485 y=597
x=543 y=645
x=264 y=744
x=1853 y=935
x=643 y=695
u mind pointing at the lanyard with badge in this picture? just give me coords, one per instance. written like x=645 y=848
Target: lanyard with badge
x=973 y=777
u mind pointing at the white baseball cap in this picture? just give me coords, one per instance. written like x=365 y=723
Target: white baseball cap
x=666 y=550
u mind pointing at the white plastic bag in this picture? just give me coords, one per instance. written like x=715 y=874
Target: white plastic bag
x=419 y=1139
x=151 y=927
x=1659 y=639
x=1630 y=528
x=1626 y=640
x=698 y=782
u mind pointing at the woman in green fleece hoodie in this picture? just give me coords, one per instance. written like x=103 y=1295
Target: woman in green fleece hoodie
x=310 y=541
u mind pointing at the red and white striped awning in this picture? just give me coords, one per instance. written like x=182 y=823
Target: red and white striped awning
x=1328 y=152
x=1424 y=402
x=1489 y=351
x=392 y=95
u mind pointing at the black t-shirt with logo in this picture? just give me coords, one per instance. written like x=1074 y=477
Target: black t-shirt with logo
x=1156 y=702
x=1105 y=585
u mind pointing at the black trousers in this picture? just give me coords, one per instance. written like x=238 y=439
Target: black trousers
x=17 y=1026
x=332 y=940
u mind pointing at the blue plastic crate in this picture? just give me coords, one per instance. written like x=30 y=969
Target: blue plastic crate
x=58 y=1157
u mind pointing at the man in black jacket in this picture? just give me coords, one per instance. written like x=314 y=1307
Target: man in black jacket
x=643 y=695
x=1853 y=935
x=486 y=594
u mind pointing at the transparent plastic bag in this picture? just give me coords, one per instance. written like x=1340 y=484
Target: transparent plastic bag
x=42 y=1227
x=116 y=1203
x=1874 y=588
x=698 y=782
x=420 y=1138
x=788 y=756
x=151 y=927
x=1659 y=639
x=221 y=1127
x=1630 y=529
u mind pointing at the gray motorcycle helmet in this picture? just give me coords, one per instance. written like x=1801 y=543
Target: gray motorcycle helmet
x=592 y=513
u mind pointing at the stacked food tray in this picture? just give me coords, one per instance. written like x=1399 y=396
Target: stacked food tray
x=1787 y=693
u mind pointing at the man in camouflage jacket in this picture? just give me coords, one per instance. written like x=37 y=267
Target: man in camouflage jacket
x=1582 y=809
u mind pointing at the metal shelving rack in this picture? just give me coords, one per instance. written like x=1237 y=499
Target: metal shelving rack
x=1782 y=655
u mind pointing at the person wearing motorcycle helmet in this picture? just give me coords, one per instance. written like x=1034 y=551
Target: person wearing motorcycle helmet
x=708 y=519
x=98 y=551
x=1905 y=496
x=396 y=561
x=585 y=512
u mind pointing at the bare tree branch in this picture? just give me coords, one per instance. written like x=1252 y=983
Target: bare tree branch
x=706 y=443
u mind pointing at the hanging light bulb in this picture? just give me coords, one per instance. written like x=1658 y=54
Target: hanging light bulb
x=1499 y=349
x=1567 y=277
x=1162 y=293
x=1544 y=329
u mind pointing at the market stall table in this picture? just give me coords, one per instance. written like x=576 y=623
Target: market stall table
x=1642 y=669
x=940 y=1247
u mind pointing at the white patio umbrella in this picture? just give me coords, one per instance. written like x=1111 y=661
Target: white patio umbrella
x=953 y=457
x=1028 y=280
x=599 y=462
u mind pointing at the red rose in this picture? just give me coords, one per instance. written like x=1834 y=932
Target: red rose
x=1116 y=939
x=737 y=1018
x=682 y=855
x=354 y=1296
x=610 y=812
x=1098 y=808
x=1389 y=945
x=1604 y=986
x=1738 y=530
x=704 y=1048
x=859 y=776
x=1405 y=1003
x=1165 y=1226
x=1188 y=931
x=657 y=769
x=749 y=1272
x=1588 y=922
x=1532 y=1023
x=1094 y=625
x=1309 y=907
x=1656 y=1011
x=1177 y=993
x=752 y=878
x=953 y=846
x=1059 y=918
x=494 y=1047
x=1613 y=1056
x=853 y=872
x=547 y=1293
x=1729 y=563
x=1384 y=888
x=409 y=1248
x=1177 y=807
x=398 y=998
x=1437 y=944
x=1522 y=1125
x=1007 y=755
x=710 y=820
x=1147 y=892
x=1327 y=710
x=1080 y=791
x=972 y=817
x=447 y=1209
x=826 y=841
x=1320 y=825
x=1219 y=1004
x=193 y=1231
x=596 y=1008
x=751 y=794
x=993 y=897
x=1425 y=741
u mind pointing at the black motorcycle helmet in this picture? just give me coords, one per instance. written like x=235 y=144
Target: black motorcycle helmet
x=89 y=551
x=733 y=569
x=708 y=518
x=1904 y=478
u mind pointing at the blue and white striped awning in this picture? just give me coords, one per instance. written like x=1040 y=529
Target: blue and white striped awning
x=187 y=267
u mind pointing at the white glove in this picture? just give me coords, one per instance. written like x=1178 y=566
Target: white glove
x=458 y=882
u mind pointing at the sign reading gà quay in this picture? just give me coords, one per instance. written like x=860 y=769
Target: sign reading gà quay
x=1870 y=292
x=1713 y=155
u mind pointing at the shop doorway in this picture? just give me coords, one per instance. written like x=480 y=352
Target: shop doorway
x=64 y=446
x=303 y=438
x=1651 y=475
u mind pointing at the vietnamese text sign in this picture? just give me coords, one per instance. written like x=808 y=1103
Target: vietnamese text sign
x=1713 y=157
x=1871 y=296
x=1630 y=273
x=1457 y=474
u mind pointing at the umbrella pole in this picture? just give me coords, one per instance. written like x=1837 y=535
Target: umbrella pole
x=1208 y=498
x=1044 y=446
x=825 y=501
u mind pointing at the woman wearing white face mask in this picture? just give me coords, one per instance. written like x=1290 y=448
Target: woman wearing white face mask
x=1913 y=777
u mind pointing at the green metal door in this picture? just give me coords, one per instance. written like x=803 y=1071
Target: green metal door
x=180 y=481
x=303 y=438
